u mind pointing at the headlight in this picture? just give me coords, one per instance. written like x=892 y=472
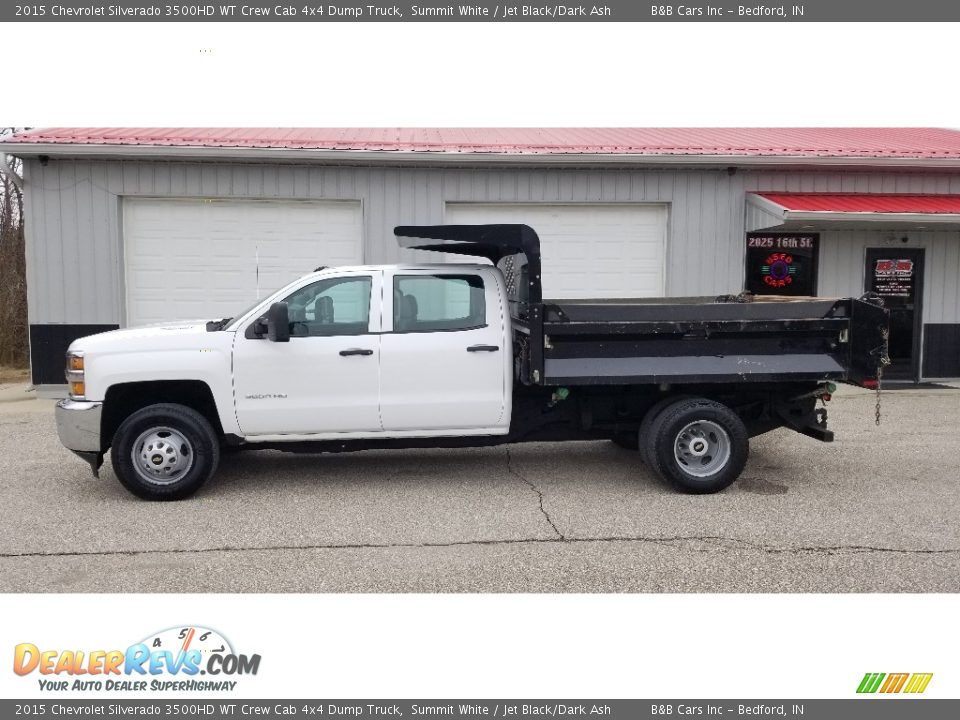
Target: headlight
x=75 y=377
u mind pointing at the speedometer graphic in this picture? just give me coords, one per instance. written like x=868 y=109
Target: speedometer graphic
x=184 y=639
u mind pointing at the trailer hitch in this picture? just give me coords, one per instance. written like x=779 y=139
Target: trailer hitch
x=803 y=416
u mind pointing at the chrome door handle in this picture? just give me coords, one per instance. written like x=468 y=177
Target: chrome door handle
x=483 y=348
x=356 y=351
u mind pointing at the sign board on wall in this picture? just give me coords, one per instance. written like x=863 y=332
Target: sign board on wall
x=893 y=277
x=782 y=263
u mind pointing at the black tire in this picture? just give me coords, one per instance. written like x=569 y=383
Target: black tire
x=171 y=438
x=699 y=446
x=627 y=440
x=646 y=426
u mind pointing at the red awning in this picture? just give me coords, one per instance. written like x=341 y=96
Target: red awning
x=813 y=211
x=864 y=203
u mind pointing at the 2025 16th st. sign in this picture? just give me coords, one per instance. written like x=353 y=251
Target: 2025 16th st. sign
x=782 y=263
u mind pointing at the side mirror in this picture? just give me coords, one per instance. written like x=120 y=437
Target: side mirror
x=278 y=323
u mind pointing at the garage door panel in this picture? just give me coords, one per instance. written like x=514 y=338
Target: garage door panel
x=589 y=251
x=195 y=258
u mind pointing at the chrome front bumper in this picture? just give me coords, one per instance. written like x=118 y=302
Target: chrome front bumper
x=78 y=425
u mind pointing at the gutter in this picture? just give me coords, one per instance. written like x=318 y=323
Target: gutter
x=903 y=218
x=426 y=158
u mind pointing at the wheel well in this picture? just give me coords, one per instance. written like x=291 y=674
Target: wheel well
x=123 y=400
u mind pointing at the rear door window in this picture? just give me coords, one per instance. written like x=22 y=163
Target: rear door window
x=436 y=303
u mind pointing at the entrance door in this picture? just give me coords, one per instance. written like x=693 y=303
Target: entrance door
x=896 y=274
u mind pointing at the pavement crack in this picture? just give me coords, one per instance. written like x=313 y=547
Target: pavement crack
x=520 y=476
x=720 y=541
x=677 y=541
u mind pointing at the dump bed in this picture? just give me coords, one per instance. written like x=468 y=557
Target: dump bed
x=706 y=340
x=671 y=340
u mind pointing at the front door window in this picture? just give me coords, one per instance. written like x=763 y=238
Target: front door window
x=334 y=306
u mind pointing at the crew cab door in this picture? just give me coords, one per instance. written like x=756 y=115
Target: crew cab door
x=326 y=379
x=445 y=362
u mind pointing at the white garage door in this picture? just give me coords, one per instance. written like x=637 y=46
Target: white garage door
x=190 y=259
x=589 y=251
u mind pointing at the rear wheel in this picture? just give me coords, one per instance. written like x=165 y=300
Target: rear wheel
x=165 y=452
x=697 y=445
x=646 y=454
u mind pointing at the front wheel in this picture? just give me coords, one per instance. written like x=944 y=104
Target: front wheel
x=165 y=452
x=698 y=445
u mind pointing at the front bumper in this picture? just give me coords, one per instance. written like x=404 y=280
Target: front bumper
x=78 y=425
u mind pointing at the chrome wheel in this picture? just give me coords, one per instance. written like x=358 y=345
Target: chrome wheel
x=702 y=448
x=162 y=455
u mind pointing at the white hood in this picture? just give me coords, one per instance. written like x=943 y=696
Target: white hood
x=165 y=336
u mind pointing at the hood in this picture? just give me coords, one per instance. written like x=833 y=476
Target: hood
x=162 y=335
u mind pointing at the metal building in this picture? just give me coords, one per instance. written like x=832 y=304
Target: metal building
x=129 y=226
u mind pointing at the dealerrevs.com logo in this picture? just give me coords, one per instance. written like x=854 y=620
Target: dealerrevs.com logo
x=172 y=659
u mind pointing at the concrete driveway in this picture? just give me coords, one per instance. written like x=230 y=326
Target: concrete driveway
x=875 y=511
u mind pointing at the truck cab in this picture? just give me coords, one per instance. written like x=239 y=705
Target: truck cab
x=378 y=351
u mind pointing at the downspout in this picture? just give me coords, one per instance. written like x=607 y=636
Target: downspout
x=9 y=172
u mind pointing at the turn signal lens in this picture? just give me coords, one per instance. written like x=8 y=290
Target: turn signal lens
x=77 y=388
x=75 y=362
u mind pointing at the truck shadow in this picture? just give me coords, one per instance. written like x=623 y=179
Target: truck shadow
x=760 y=486
x=555 y=466
x=250 y=469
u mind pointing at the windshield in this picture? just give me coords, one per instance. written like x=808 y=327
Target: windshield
x=228 y=321
x=232 y=321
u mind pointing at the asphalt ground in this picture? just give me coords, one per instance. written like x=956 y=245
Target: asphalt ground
x=877 y=510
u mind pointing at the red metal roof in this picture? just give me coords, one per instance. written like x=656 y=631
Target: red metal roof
x=856 y=203
x=922 y=143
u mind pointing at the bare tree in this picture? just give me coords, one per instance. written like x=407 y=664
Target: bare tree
x=13 y=282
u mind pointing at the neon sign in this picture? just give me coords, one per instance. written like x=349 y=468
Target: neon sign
x=778 y=270
x=782 y=263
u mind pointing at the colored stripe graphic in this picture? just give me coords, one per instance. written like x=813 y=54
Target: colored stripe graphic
x=894 y=683
x=918 y=683
x=870 y=682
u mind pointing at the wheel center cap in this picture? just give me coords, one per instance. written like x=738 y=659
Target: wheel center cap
x=156 y=459
x=698 y=447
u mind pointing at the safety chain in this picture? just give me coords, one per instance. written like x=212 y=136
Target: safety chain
x=882 y=362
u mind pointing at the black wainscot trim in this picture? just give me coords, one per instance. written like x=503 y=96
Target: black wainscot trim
x=48 y=347
x=941 y=350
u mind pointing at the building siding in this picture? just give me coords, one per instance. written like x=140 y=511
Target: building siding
x=74 y=229
x=842 y=266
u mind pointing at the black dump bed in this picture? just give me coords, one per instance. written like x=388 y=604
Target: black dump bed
x=669 y=340
x=697 y=340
